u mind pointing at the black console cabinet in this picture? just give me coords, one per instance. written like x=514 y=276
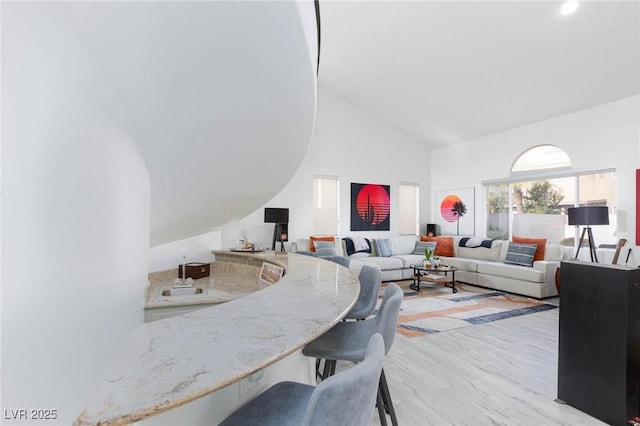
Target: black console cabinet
x=599 y=342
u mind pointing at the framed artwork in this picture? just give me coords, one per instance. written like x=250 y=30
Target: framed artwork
x=455 y=211
x=270 y=273
x=370 y=207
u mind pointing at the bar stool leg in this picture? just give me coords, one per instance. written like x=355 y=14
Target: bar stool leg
x=329 y=368
x=380 y=405
x=386 y=396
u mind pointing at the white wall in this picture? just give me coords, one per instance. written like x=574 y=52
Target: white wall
x=606 y=135
x=196 y=249
x=352 y=145
x=75 y=218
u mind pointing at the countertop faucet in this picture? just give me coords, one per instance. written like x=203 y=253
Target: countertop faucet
x=184 y=281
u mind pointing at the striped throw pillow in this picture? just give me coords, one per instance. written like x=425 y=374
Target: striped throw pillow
x=383 y=247
x=521 y=254
x=420 y=246
x=324 y=248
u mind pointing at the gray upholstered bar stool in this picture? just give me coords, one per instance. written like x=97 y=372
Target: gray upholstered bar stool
x=347 y=341
x=370 y=280
x=341 y=260
x=347 y=398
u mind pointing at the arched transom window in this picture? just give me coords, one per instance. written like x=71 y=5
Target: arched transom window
x=541 y=157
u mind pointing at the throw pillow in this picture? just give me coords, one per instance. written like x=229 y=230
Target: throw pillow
x=383 y=247
x=325 y=248
x=521 y=254
x=348 y=242
x=473 y=242
x=420 y=246
x=313 y=239
x=444 y=245
x=541 y=242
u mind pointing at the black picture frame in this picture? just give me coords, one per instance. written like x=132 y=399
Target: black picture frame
x=370 y=207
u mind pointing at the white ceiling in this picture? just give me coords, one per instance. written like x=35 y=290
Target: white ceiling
x=449 y=71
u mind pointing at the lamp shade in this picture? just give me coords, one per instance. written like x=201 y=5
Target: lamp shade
x=276 y=215
x=588 y=215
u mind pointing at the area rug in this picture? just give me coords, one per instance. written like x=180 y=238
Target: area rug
x=436 y=309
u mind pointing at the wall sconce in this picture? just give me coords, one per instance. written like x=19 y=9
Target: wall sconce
x=280 y=217
x=587 y=216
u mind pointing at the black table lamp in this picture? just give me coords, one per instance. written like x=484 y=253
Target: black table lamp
x=587 y=216
x=280 y=217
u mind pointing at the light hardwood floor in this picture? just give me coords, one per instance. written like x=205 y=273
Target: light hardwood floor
x=499 y=373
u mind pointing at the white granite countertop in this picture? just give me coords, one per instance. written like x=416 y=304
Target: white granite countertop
x=169 y=362
x=227 y=281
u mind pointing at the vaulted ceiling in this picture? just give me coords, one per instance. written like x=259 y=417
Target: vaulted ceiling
x=450 y=71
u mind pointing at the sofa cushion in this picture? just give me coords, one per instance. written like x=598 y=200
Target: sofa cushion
x=325 y=248
x=511 y=271
x=444 y=245
x=421 y=245
x=403 y=244
x=521 y=254
x=385 y=263
x=554 y=252
x=360 y=255
x=383 y=247
x=410 y=259
x=482 y=253
x=463 y=264
x=540 y=242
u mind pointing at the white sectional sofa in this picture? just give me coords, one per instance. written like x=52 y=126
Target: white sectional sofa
x=394 y=268
x=485 y=267
x=481 y=266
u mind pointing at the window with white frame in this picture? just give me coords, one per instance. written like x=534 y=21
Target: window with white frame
x=408 y=209
x=533 y=201
x=326 y=205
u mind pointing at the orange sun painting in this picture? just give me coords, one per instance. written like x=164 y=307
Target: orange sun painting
x=446 y=207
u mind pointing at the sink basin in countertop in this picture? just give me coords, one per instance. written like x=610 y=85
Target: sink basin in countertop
x=183 y=291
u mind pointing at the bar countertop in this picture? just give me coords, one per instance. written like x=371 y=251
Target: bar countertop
x=170 y=362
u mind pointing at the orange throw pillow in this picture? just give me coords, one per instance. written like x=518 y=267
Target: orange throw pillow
x=541 y=242
x=444 y=245
x=312 y=246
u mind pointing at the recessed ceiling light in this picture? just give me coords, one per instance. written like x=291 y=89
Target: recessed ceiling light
x=569 y=7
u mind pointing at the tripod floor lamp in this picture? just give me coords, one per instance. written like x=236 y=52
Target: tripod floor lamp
x=587 y=216
x=279 y=217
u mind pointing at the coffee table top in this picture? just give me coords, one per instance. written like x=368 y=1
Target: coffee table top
x=447 y=268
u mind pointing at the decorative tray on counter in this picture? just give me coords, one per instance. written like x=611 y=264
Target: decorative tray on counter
x=247 y=250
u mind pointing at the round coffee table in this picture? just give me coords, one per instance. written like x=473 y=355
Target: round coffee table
x=439 y=275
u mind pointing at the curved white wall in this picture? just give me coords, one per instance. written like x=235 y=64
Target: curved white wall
x=221 y=97
x=75 y=217
x=125 y=123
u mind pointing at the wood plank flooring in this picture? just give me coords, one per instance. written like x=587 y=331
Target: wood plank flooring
x=499 y=373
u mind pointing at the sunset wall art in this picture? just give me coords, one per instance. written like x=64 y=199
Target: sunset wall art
x=370 y=207
x=455 y=211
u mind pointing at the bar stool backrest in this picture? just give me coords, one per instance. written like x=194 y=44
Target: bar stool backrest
x=349 y=397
